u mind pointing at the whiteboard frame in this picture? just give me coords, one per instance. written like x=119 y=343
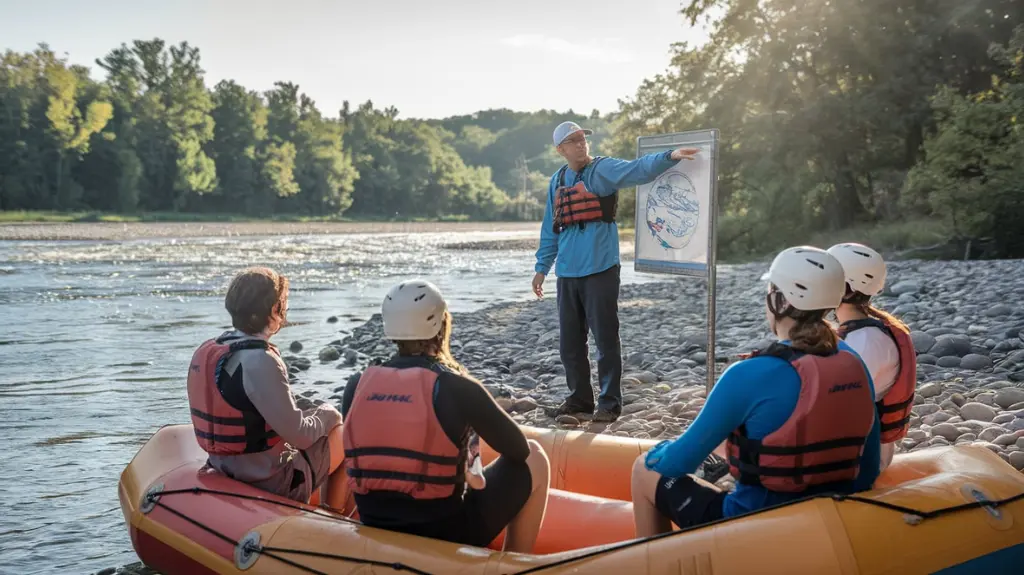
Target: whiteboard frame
x=661 y=143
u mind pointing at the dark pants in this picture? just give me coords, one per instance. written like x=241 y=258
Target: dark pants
x=591 y=302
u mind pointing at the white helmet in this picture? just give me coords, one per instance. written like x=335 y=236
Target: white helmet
x=413 y=310
x=863 y=267
x=809 y=278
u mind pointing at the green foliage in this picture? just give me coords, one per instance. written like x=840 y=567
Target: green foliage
x=823 y=107
x=49 y=112
x=973 y=174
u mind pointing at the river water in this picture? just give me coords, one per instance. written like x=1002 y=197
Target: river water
x=96 y=337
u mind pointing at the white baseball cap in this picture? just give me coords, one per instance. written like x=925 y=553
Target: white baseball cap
x=566 y=129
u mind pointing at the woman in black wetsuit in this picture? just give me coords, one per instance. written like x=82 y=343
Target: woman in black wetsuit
x=407 y=427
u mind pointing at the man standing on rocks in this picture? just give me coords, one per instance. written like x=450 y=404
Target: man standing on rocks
x=579 y=229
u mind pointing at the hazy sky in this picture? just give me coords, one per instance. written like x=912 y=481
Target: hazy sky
x=427 y=58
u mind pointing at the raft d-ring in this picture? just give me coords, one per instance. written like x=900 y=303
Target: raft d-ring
x=150 y=498
x=972 y=492
x=248 y=550
x=998 y=518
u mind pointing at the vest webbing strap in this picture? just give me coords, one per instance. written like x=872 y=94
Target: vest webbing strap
x=399 y=452
x=756 y=470
x=357 y=473
x=219 y=438
x=756 y=448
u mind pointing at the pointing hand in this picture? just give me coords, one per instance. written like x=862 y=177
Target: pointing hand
x=684 y=153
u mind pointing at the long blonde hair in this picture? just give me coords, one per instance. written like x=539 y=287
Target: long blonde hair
x=438 y=347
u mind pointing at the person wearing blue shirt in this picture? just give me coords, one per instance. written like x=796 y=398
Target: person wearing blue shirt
x=579 y=230
x=798 y=418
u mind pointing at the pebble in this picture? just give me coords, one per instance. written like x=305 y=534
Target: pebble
x=1017 y=460
x=329 y=353
x=923 y=342
x=977 y=411
x=947 y=430
x=295 y=347
x=1006 y=439
x=905 y=287
x=999 y=309
x=1007 y=398
x=936 y=418
x=634 y=408
x=991 y=433
x=975 y=362
x=299 y=363
x=524 y=404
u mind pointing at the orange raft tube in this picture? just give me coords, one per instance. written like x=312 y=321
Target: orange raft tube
x=184 y=520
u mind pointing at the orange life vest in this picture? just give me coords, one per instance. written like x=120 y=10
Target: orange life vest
x=393 y=439
x=576 y=205
x=225 y=421
x=894 y=408
x=822 y=441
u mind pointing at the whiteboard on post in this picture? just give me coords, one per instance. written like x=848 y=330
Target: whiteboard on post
x=675 y=213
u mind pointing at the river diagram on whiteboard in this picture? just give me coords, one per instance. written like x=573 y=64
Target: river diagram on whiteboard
x=673 y=217
x=673 y=210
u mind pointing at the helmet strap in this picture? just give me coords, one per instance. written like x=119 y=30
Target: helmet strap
x=777 y=304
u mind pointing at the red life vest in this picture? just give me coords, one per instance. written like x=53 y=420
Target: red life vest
x=894 y=408
x=393 y=439
x=823 y=439
x=576 y=205
x=225 y=421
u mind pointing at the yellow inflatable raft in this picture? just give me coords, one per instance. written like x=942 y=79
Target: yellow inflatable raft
x=949 y=510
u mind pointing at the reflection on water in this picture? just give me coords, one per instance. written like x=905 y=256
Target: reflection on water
x=96 y=337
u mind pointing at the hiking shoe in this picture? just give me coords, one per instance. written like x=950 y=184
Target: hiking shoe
x=605 y=416
x=568 y=407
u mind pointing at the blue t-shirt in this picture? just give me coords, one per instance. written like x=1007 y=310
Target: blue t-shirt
x=760 y=393
x=595 y=247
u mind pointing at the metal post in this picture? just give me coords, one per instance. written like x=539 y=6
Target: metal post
x=712 y=259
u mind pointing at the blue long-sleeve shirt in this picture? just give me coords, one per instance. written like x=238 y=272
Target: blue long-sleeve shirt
x=760 y=393
x=595 y=248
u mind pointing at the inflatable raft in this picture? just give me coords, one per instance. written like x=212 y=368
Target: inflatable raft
x=948 y=510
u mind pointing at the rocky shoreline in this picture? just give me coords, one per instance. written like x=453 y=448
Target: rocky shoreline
x=967 y=329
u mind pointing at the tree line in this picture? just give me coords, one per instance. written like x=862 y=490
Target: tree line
x=151 y=136
x=860 y=112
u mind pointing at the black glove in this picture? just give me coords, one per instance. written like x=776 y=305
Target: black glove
x=713 y=469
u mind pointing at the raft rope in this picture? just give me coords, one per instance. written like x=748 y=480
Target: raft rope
x=273 y=552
